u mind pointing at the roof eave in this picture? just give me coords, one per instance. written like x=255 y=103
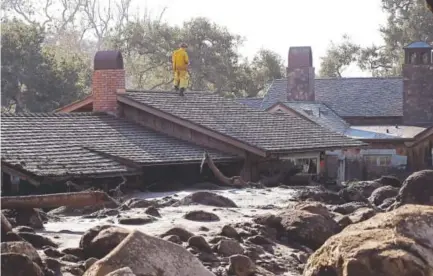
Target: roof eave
x=361 y=145
x=75 y=105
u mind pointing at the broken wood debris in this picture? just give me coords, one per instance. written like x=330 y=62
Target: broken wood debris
x=5 y=224
x=238 y=182
x=77 y=199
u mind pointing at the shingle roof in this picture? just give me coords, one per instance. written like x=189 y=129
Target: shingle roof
x=250 y=126
x=350 y=97
x=418 y=44
x=251 y=102
x=320 y=114
x=84 y=143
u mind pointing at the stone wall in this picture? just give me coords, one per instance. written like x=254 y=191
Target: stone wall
x=418 y=94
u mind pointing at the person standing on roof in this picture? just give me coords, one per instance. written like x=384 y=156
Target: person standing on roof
x=180 y=62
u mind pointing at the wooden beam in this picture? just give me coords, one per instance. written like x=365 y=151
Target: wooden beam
x=78 y=199
x=11 y=171
x=190 y=125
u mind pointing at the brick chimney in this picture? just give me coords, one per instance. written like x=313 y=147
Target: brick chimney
x=418 y=84
x=300 y=74
x=108 y=80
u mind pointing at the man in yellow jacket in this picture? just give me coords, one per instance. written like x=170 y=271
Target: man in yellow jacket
x=180 y=62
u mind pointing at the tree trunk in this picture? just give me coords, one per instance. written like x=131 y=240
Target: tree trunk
x=78 y=199
x=235 y=181
x=5 y=225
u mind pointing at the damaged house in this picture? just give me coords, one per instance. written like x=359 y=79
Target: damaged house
x=394 y=115
x=147 y=136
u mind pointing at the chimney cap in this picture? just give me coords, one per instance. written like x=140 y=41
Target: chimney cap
x=108 y=60
x=301 y=56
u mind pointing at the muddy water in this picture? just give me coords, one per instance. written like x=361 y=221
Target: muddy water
x=250 y=202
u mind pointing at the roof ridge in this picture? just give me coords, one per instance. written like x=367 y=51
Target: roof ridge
x=54 y=114
x=167 y=91
x=355 y=78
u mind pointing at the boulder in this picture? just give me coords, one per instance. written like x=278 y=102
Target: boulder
x=173 y=238
x=241 y=265
x=15 y=264
x=323 y=196
x=148 y=255
x=389 y=244
x=313 y=207
x=230 y=232
x=200 y=243
x=36 y=240
x=362 y=214
x=382 y=193
x=138 y=203
x=359 y=191
x=206 y=198
x=301 y=226
x=23 y=248
x=101 y=244
x=183 y=234
x=136 y=220
x=70 y=258
x=200 y=215
x=417 y=189
x=76 y=251
x=389 y=180
x=228 y=247
x=91 y=233
x=349 y=207
x=26 y=217
x=387 y=203
x=11 y=236
x=124 y=271
x=53 y=252
x=152 y=211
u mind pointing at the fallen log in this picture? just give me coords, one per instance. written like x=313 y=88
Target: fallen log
x=5 y=225
x=235 y=181
x=286 y=171
x=78 y=199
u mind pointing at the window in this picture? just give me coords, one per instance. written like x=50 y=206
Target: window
x=378 y=160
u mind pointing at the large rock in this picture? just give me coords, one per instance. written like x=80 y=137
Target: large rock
x=389 y=180
x=103 y=242
x=382 y=193
x=206 y=198
x=183 y=234
x=148 y=255
x=27 y=217
x=389 y=244
x=200 y=215
x=14 y=264
x=322 y=196
x=36 y=240
x=302 y=226
x=417 y=189
x=359 y=191
x=228 y=247
x=23 y=248
x=349 y=207
x=241 y=265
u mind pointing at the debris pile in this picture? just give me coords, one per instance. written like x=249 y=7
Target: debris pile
x=367 y=228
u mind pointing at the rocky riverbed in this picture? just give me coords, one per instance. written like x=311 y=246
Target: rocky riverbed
x=381 y=227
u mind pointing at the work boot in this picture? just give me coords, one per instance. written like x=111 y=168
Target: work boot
x=176 y=88
x=181 y=91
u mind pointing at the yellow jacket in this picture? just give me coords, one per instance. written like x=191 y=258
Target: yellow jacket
x=180 y=59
